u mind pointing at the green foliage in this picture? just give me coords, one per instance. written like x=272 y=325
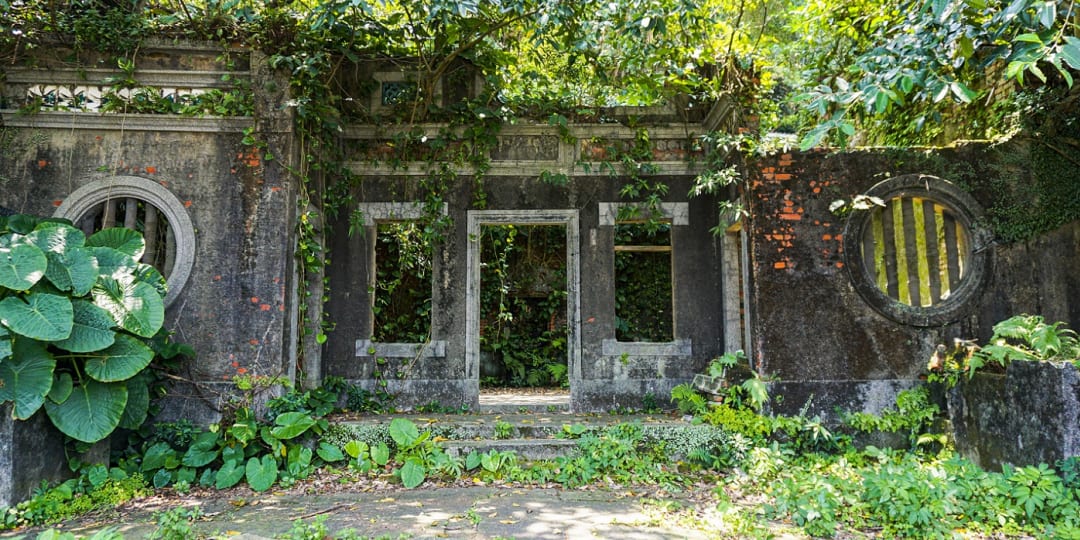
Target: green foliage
x=176 y=524
x=1030 y=338
x=913 y=415
x=523 y=304
x=283 y=449
x=719 y=365
x=96 y=487
x=619 y=454
x=80 y=323
x=503 y=430
x=914 y=65
x=906 y=496
x=643 y=284
x=1018 y=338
x=402 y=305
x=688 y=400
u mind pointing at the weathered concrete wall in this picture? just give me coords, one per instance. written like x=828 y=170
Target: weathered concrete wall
x=1028 y=416
x=234 y=307
x=817 y=336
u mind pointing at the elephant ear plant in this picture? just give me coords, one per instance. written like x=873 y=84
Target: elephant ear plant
x=80 y=322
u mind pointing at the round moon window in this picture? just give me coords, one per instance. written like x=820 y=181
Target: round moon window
x=918 y=256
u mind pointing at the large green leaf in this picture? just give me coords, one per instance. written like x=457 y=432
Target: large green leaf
x=412 y=473
x=138 y=403
x=380 y=454
x=230 y=474
x=157 y=456
x=22 y=223
x=261 y=473
x=91 y=330
x=5 y=343
x=69 y=262
x=121 y=361
x=26 y=377
x=329 y=453
x=61 y=387
x=56 y=237
x=75 y=270
x=92 y=411
x=149 y=274
x=202 y=451
x=136 y=307
x=121 y=239
x=403 y=431
x=21 y=266
x=1070 y=51
x=114 y=264
x=46 y=317
x=292 y=424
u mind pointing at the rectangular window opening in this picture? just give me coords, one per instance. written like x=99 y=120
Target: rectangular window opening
x=401 y=296
x=643 y=282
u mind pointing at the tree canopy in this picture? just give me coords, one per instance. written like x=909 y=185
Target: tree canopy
x=892 y=71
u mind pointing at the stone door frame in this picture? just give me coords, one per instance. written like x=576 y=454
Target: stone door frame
x=566 y=218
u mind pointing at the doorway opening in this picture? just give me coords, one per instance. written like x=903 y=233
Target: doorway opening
x=523 y=307
x=522 y=314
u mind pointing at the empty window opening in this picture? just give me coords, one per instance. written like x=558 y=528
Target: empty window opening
x=401 y=299
x=523 y=308
x=915 y=251
x=138 y=215
x=643 y=284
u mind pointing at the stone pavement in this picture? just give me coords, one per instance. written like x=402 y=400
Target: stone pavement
x=481 y=512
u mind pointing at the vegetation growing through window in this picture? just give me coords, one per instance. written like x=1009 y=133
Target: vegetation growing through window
x=402 y=295
x=643 y=282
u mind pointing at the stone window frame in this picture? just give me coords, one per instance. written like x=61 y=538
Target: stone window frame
x=382 y=77
x=373 y=213
x=564 y=218
x=98 y=191
x=678 y=214
x=967 y=212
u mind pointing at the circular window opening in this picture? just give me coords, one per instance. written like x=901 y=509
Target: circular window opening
x=916 y=257
x=145 y=206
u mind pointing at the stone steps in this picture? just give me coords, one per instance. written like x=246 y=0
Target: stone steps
x=526 y=449
x=531 y=435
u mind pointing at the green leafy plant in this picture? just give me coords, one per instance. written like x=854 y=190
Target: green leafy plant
x=719 y=365
x=96 y=487
x=1027 y=338
x=176 y=524
x=688 y=400
x=503 y=430
x=1030 y=338
x=80 y=323
x=913 y=414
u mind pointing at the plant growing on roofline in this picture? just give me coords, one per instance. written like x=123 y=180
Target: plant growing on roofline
x=80 y=322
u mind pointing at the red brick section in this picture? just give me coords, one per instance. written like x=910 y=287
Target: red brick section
x=791 y=216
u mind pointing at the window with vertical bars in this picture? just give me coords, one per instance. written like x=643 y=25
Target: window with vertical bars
x=919 y=256
x=915 y=250
x=138 y=215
